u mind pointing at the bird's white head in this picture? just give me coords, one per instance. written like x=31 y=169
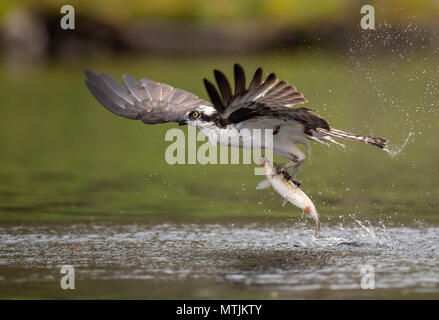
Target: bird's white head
x=202 y=117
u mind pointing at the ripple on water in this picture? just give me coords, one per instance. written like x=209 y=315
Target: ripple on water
x=274 y=256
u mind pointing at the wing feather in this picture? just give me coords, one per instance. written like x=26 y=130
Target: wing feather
x=214 y=96
x=112 y=103
x=270 y=93
x=135 y=89
x=116 y=87
x=279 y=88
x=262 y=89
x=147 y=100
x=224 y=87
x=256 y=81
x=239 y=80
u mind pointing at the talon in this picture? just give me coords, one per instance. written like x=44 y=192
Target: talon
x=297 y=183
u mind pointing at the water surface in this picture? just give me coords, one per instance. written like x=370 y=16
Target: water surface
x=270 y=259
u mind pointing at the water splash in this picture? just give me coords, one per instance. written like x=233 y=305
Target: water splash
x=280 y=256
x=400 y=45
x=394 y=150
x=380 y=241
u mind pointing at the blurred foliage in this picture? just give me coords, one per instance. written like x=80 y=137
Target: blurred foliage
x=276 y=11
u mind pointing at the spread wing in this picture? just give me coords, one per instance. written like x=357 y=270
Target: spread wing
x=147 y=100
x=268 y=104
x=269 y=99
x=270 y=92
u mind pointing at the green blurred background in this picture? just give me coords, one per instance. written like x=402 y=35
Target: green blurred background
x=64 y=157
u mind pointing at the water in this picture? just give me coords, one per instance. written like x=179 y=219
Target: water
x=271 y=259
x=394 y=150
x=405 y=44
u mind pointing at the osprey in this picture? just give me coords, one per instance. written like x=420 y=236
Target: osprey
x=264 y=104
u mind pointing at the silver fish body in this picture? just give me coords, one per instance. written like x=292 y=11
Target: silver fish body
x=288 y=190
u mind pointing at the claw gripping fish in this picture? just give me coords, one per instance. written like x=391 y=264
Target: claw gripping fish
x=280 y=182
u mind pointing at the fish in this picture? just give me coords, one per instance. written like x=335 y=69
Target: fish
x=281 y=183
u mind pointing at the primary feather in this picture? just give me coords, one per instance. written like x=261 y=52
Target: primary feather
x=147 y=100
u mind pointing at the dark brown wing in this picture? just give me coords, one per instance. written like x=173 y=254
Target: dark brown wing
x=259 y=93
x=310 y=120
x=262 y=99
x=150 y=101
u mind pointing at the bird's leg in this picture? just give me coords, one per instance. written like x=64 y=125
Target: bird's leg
x=285 y=166
x=295 y=164
x=296 y=168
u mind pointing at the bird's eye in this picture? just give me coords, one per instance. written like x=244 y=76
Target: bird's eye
x=195 y=114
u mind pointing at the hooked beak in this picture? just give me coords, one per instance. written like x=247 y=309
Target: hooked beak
x=183 y=120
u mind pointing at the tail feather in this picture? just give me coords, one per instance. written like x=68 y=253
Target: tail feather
x=376 y=141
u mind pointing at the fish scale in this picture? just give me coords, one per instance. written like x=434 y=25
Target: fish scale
x=288 y=190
